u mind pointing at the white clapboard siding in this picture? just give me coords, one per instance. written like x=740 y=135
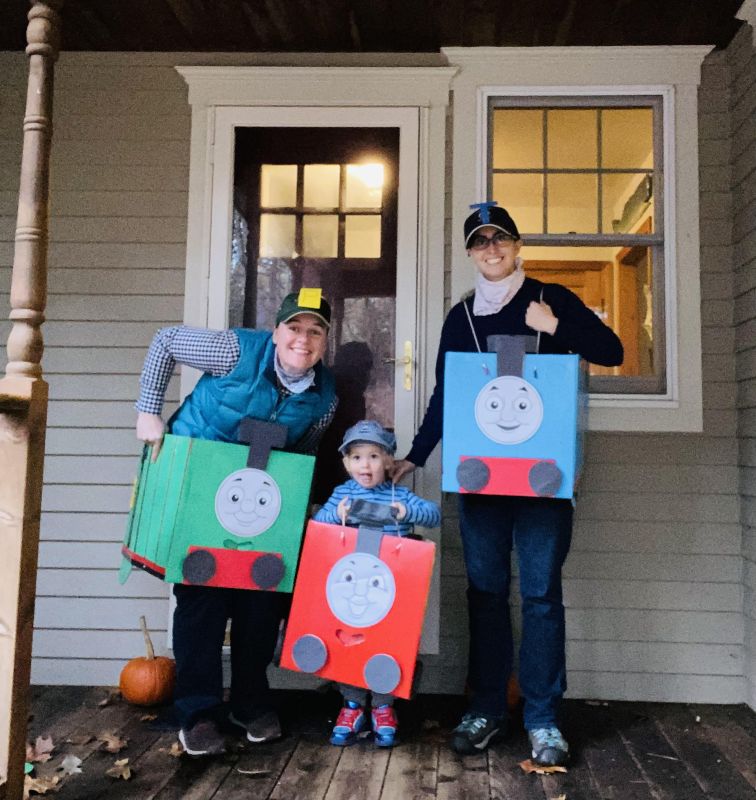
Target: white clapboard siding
x=743 y=100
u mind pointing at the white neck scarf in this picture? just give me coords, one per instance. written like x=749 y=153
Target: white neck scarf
x=492 y=296
x=296 y=384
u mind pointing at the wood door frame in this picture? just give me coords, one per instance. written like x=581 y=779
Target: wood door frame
x=222 y=97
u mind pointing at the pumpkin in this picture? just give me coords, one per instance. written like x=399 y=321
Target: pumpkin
x=148 y=681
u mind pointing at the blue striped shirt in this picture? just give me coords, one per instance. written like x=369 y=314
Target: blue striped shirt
x=421 y=512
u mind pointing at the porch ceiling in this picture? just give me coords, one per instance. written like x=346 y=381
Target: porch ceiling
x=375 y=25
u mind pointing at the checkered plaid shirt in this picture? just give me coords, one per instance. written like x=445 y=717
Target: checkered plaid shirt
x=214 y=352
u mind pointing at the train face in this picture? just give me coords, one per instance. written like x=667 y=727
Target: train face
x=201 y=515
x=358 y=607
x=513 y=434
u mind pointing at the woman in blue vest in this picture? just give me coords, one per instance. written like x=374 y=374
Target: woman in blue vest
x=276 y=376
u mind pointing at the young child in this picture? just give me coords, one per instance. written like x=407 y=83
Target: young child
x=368 y=450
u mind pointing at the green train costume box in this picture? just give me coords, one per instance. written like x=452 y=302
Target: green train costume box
x=219 y=514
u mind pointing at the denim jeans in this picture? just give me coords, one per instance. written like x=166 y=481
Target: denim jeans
x=199 y=627
x=541 y=530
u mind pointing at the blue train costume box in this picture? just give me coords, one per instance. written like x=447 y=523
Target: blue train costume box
x=220 y=514
x=513 y=421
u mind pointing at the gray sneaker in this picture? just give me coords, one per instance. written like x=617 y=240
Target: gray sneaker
x=549 y=746
x=264 y=728
x=474 y=733
x=202 y=739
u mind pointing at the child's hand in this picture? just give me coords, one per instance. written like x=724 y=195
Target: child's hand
x=401 y=510
x=343 y=509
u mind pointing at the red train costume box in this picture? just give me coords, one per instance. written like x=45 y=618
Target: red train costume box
x=358 y=607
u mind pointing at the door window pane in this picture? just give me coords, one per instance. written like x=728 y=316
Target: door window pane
x=320 y=236
x=572 y=139
x=363 y=236
x=572 y=204
x=278 y=185
x=321 y=185
x=364 y=185
x=277 y=235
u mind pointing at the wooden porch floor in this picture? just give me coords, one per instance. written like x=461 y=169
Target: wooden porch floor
x=623 y=751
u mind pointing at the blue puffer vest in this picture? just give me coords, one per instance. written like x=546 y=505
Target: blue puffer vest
x=217 y=404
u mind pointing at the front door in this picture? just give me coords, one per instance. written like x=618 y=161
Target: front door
x=325 y=198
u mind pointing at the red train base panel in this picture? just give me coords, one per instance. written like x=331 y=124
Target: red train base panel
x=358 y=607
x=522 y=477
x=236 y=569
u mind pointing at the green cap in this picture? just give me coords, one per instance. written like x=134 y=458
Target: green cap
x=305 y=301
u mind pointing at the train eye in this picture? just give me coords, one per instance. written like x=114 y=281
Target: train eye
x=493 y=404
x=263 y=499
x=523 y=404
x=235 y=495
x=347 y=576
x=377 y=582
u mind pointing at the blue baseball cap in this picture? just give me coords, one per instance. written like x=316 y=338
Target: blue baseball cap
x=368 y=431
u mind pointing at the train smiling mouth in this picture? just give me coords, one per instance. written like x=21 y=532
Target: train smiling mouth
x=508 y=427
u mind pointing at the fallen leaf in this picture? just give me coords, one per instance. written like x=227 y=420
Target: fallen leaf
x=147 y=717
x=112 y=742
x=40 y=785
x=41 y=750
x=254 y=773
x=70 y=765
x=120 y=769
x=561 y=797
x=176 y=750
x=112 y=696
x=80 y=739
x=529 y=766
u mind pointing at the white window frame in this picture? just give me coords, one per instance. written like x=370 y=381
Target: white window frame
x=673 y=73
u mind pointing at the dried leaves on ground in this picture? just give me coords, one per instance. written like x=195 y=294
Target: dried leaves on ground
x=112 y=742
x=41 y=750
x=120 y=769
x=530 y=766
x=40 y=785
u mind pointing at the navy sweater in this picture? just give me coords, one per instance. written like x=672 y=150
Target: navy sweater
x=579 y=331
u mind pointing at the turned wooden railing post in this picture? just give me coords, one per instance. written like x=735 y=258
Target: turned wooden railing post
x=23 y=403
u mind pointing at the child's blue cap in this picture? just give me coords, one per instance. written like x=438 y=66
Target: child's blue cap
x=368 y=431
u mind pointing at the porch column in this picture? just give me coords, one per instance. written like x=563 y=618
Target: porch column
x=23 y=403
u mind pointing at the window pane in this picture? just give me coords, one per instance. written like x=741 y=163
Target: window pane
x=364 y=185
x=572 y=138
x=277 y=235
x=522 y=196
x=572 y=203
x=517 y=139
x=627 y=138
x=321 y=185
x=616 y=284
x=320 y=236
x=363 y=236
x=278 y=185
x=627 y=202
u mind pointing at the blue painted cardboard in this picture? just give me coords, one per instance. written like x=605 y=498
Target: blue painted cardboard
x=553 y=433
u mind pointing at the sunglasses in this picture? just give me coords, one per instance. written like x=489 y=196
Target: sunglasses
x=480 y=242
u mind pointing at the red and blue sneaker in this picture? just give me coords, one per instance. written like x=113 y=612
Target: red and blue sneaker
x=384 y=726
x=350 y=722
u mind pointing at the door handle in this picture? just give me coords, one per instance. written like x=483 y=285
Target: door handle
x=406 y=361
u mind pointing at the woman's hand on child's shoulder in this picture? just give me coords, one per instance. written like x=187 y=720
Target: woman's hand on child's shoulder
x=400 y=469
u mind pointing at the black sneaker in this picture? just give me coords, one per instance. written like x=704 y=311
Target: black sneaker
x=202 y=739
x=549 y=746
x=264 y=728
x=474 y=733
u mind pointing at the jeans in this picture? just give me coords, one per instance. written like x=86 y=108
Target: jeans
x=199 y=627
x=541 y=530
